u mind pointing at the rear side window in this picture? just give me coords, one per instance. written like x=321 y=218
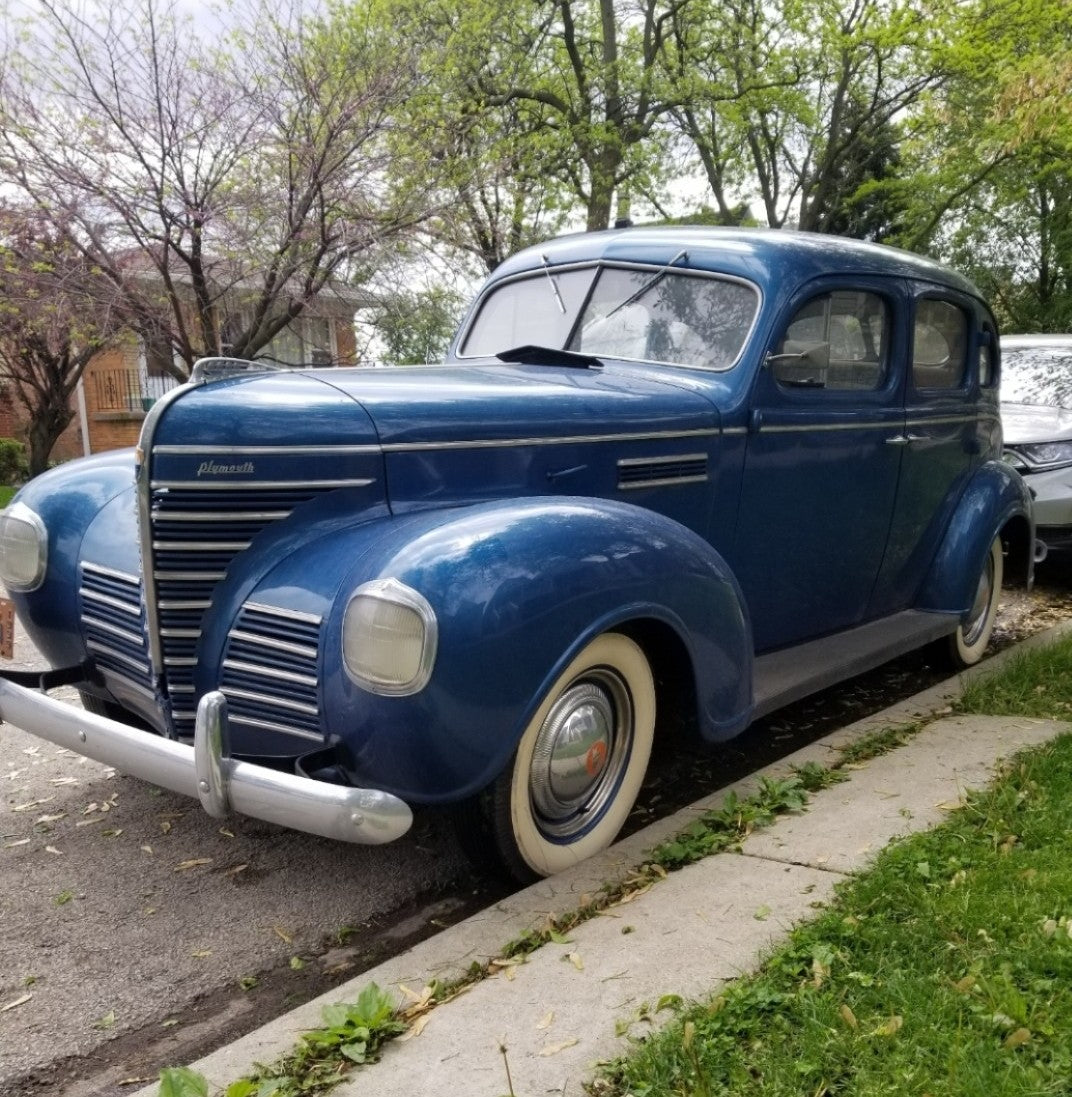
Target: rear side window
x=939 y=345
x=987 y=374
x=837 y=341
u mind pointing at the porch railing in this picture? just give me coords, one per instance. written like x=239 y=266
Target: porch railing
x=127 y=389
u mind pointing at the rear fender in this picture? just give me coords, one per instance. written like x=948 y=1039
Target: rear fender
x=996 y=501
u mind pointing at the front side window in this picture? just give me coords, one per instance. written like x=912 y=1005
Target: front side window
x=939 y=345
x=836 y=341
x=642 y=315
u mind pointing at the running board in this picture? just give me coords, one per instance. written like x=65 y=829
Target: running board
x=785 y=676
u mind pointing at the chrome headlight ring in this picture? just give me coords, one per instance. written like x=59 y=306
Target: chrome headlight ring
x=389 y=638
x=23 y=548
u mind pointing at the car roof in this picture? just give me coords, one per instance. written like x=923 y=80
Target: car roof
x=760 y=255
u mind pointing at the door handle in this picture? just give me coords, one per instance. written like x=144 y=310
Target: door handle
x=905 y=439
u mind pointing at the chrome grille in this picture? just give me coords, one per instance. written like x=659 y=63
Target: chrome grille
x=269 y=671
x=113 y=624
x=197 y=530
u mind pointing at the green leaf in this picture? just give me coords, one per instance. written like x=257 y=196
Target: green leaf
x=355 y=1052
x=183 y=1082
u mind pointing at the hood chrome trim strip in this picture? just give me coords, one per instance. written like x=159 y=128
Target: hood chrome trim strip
x=565 y=440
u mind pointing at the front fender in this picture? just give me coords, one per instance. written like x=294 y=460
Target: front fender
x=72 y=500
x=995 y=496
x=518 y=588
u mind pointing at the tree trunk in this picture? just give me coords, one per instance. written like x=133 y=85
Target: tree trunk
x=43 y=434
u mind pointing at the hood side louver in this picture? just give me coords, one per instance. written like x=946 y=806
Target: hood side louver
x=650 y=472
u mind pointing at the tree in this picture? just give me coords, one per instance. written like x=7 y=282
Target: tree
x=988 y=184
x=217 y=187
x=417 y=326
x=56 y=312
x=581 y=80
x=795 y=100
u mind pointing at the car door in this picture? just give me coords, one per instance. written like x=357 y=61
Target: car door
x=821 y=464
x=945 y=425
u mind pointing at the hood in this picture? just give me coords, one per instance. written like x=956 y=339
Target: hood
x=441 y=433
x=459 y=404
x=1027 y=423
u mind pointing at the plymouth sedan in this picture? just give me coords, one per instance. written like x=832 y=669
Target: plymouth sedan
x=673 y=475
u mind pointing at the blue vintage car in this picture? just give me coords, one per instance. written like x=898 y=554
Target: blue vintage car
x=662 y=472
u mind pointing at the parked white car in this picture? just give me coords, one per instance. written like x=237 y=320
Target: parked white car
x=1036 y=413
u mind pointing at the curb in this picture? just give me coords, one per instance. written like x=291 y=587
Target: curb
x=449 y=955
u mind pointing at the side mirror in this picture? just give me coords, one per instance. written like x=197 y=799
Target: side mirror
x=800 y=365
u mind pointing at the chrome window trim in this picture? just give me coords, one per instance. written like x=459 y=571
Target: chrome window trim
x=616 y=264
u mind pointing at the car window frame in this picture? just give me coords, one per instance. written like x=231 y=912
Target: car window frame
x=891 y=290
x=969 y=379
x=603 y=264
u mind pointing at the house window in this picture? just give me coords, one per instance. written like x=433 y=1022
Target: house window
x=306 y=341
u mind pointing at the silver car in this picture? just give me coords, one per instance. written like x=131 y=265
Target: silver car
x=1036 y=413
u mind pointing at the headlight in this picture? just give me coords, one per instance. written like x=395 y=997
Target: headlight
x=1043 y=455
x=389 y=637
x=23 y=548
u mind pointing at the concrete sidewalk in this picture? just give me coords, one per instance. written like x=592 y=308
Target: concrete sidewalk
x=569 y=1006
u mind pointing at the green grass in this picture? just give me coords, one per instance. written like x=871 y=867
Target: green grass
x=945 y=970
x=5 y=494
x=1037 y=682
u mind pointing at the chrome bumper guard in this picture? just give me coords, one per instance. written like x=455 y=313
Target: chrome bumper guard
x=205 y=772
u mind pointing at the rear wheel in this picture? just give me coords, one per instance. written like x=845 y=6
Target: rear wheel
x=578 y=766
x=968 y=644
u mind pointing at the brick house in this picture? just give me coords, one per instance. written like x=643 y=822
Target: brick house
x=121 y=383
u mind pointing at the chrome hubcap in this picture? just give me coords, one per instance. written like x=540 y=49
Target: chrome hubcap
x=580 y=753
x=972 y=628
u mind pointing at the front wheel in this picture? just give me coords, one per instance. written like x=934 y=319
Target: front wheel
x=579 y=764
x=968 y=643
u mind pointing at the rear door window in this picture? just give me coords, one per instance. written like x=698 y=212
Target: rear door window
x=939 y=345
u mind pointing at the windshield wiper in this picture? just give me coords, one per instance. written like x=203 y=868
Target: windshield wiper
x=656 y=277
x=531 y=355
x=554 y=284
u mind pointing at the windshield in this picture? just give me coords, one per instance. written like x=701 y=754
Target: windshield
x=1037 y=375
x=662 y=316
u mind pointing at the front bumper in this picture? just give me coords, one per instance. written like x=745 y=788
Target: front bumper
x=205 y=772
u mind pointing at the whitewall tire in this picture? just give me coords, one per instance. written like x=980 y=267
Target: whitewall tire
x=969 y=642
x=580 y=762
